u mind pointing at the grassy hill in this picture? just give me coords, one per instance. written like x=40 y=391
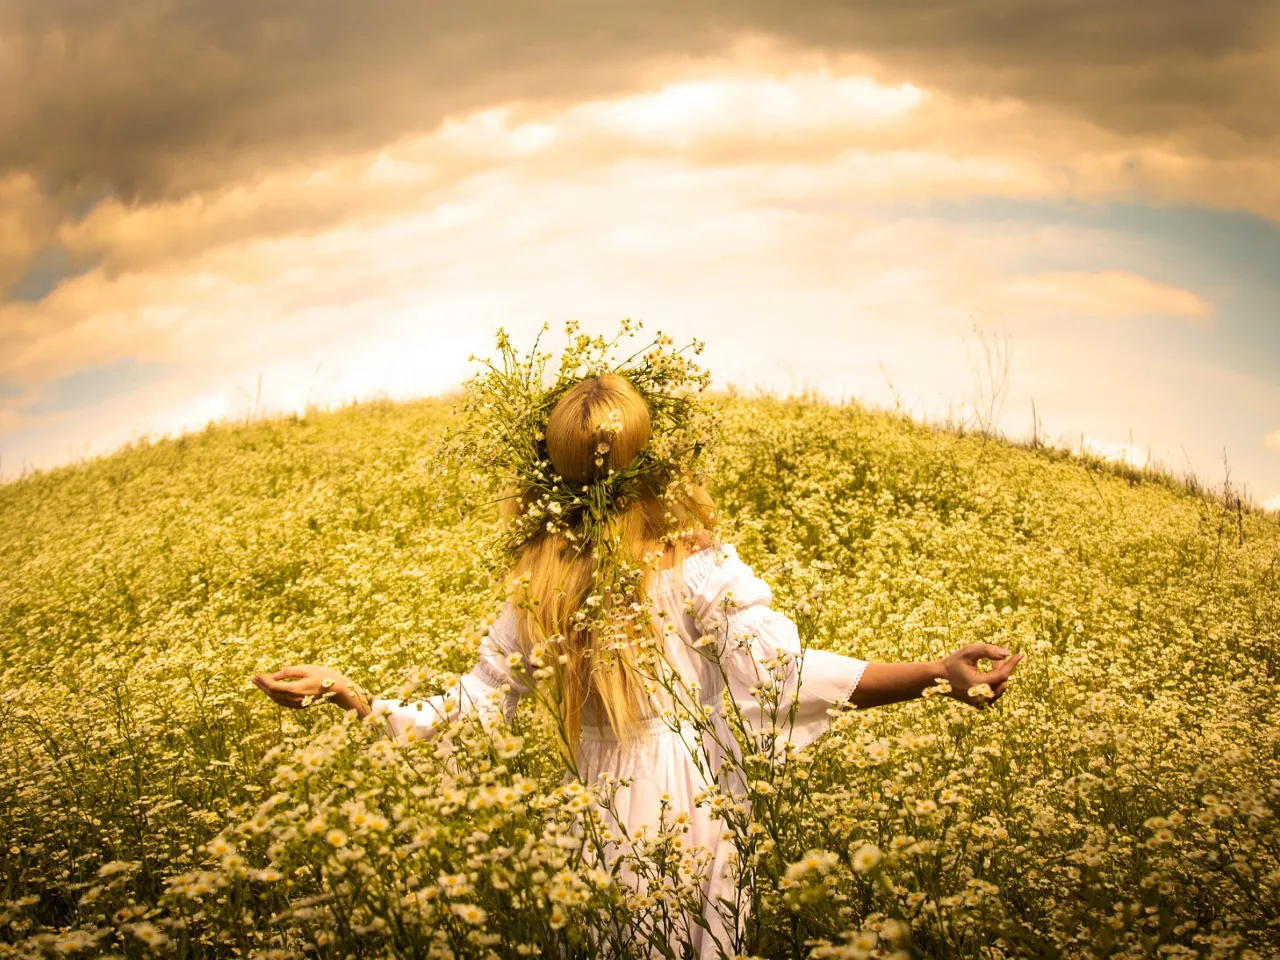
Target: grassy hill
x=1117 y=802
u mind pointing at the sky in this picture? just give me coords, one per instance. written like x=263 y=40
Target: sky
x=214 y=208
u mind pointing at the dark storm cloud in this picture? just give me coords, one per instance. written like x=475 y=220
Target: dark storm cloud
x=1146 y=68
x=155 y=98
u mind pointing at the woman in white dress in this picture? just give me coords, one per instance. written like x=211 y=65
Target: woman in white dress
x=716 y=631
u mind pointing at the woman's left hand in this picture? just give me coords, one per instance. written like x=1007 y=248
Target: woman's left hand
x=969 y=684
x=292 y=686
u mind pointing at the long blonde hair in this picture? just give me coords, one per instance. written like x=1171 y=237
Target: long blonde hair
x=553 y=577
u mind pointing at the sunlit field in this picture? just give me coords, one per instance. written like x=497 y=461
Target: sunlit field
x=1118 y=801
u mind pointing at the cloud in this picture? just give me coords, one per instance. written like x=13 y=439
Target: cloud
x=795 y=129
x=404 y=219
x=467 y=254
x=155 y=103
x=799 y=105
x=27 y=222
x=724 y=125
x=290 y=201
x=805 y=137
x=1134 y=454
x=787 y=294
x=1106 y=293
x=784 y=298
x=157 y=99
x=1272 y=503
x=282 y=187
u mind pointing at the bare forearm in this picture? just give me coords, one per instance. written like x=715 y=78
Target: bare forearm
x=353 y=697
x=883 y=683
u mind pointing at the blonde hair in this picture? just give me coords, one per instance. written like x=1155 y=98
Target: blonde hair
x=599 y=425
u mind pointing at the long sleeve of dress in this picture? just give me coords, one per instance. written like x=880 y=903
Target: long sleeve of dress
x=489 y=689
x=759 y=651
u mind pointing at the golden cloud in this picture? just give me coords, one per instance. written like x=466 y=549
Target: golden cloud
x=1104 y=293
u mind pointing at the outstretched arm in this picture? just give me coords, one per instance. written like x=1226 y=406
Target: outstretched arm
x=481 y=689
x=300 y=686
x=884 y=683
x=489 y=687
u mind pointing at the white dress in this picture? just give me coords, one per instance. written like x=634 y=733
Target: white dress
x=661 y=759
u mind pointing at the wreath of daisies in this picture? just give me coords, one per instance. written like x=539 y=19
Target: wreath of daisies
x=499 y=451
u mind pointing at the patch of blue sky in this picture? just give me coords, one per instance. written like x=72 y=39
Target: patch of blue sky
x=1230 y=258
x=93 y=385
x=1193 y=243
x=47 y=269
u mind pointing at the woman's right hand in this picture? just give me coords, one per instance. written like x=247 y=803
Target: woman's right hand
x=292 y=686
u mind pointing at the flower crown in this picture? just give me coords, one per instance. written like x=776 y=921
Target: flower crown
x=499 y=450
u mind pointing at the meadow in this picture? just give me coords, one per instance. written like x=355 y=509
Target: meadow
x=1117 y=802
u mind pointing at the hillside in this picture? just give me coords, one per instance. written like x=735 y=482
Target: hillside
x=1117 y=801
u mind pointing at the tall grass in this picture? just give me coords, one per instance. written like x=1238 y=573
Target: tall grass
x=1118 y=802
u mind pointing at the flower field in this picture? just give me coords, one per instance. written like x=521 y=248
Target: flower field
x=1117 y=802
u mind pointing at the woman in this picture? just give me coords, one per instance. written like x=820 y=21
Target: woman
x=715 y=631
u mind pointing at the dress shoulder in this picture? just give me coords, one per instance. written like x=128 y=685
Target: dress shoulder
x=759 y=648
x=720 y=584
